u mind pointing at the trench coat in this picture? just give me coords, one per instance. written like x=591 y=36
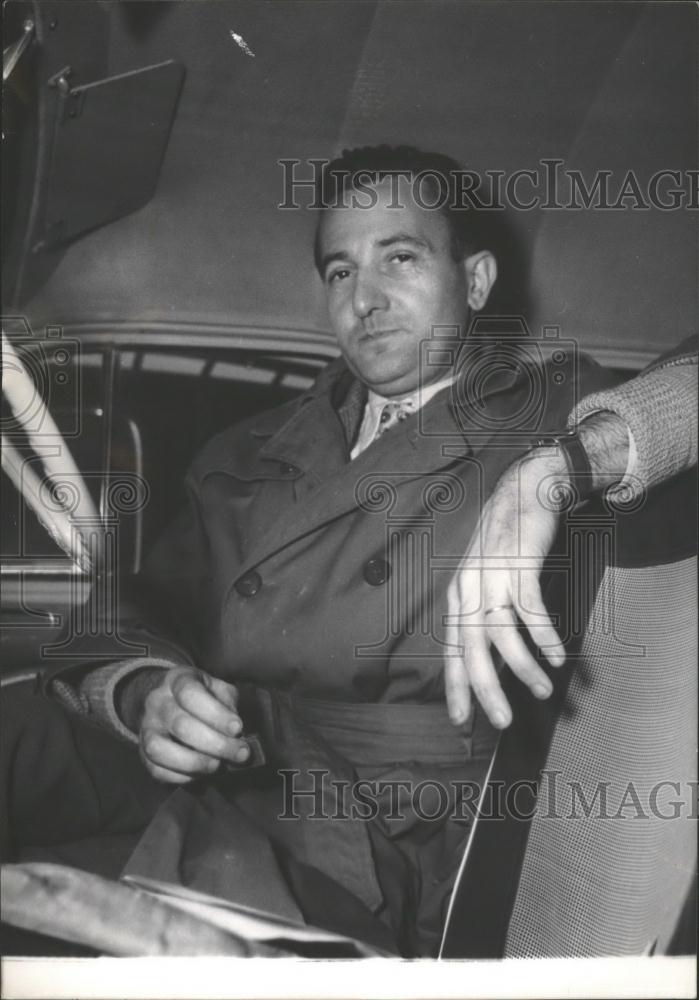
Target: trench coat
x=317 y=585
x=294 y=568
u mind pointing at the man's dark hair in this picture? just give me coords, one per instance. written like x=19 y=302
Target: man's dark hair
x=438 y=173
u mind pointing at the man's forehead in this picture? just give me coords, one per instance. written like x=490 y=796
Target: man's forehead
x=378 y=218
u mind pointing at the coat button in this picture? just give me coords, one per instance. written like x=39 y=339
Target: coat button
x=248 y=585
x=289 y=470
x=376 y=572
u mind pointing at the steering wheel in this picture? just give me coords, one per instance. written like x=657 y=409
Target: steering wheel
x=60 y=500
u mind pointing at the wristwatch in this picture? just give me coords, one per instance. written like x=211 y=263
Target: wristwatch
x=579 y=467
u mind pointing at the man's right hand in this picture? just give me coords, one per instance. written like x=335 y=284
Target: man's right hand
x=190 y=725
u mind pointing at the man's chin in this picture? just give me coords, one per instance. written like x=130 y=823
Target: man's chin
x=389 y=383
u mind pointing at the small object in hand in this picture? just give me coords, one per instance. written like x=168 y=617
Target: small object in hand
x=256 y=757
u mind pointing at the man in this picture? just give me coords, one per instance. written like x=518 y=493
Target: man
x=307 y=583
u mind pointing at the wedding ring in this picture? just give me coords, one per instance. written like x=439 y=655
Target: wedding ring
x=498 y=607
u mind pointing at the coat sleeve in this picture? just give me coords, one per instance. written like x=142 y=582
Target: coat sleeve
x=166 y=612
x=659 y=407
x=162 y=615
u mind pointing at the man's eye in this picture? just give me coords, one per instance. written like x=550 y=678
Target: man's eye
x=340 y=275
x=403 y=257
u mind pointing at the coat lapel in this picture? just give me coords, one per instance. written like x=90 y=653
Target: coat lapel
x=315 y=442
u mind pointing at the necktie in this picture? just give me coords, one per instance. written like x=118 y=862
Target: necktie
x=392 y=414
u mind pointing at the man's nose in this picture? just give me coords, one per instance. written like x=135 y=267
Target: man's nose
x=368 y=294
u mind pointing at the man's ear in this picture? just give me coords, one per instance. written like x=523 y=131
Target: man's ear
x=481 y=272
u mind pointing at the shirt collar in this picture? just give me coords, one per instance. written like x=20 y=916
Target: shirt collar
x=375 y=404
x=417 y=399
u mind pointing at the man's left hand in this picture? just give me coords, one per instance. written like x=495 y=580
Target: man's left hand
x=495 y=593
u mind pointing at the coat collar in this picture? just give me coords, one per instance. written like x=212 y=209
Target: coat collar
x=331 y=411
x=318 y=431
x=314 y=441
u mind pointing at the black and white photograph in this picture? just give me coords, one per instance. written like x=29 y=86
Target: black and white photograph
x=349 y=498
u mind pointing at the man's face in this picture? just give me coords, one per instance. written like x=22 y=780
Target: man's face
x=390 y=278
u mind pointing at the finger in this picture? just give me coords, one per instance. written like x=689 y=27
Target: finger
x=532 y=610
x=163 y=752
x=226 y=693
x=456 y=684
x=503 y=632
x=484 y=681
x=199 y=736
x=191 y=694
x=170 y=777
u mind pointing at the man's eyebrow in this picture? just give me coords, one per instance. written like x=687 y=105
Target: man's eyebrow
x=416 y=241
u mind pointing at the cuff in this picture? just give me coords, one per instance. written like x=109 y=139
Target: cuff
x=660 y=411
x=94 y=695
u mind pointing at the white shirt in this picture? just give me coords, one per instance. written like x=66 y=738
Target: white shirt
x=375 y=404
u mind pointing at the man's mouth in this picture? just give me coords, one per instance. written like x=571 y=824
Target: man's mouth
x=377 y=334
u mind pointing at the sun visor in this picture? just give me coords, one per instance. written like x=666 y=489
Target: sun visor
x=109 y=140
x=87 y=146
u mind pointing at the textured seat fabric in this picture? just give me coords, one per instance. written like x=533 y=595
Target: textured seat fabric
x=594 y=790
x=614 y=882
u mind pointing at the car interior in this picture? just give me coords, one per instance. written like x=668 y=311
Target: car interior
x=156 y=291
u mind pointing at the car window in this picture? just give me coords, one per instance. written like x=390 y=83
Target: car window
x=165 y=404
x=178 y=399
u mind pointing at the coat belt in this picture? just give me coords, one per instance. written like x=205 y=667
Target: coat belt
x=376 y=734
x=383 y=734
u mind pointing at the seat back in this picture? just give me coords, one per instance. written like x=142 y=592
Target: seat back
x=611 y=853
x=585 y=845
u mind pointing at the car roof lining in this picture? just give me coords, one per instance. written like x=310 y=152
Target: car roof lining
x=498 y=85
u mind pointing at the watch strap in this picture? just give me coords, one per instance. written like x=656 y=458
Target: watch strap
x=569 y=442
